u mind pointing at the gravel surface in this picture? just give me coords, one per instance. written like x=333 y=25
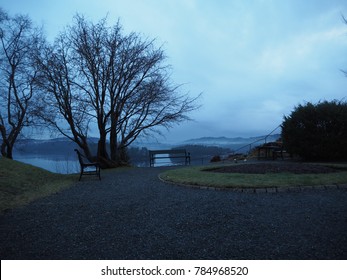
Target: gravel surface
x=131 y=214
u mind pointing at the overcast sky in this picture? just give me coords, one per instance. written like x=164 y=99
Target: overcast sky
x=253 y=60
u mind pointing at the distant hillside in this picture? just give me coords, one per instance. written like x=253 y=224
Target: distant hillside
x=232 y=143
x=201 y=153
x=56 y=146
x=63 y=146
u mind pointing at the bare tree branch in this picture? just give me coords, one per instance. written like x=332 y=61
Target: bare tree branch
x=96 y=74
x=19 y=42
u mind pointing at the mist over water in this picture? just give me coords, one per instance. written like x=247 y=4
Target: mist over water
x=70 y=165
x=57 y=155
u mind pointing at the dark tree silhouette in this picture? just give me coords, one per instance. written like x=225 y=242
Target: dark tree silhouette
x=19 y=43
x=317 y=131
x=95 y=76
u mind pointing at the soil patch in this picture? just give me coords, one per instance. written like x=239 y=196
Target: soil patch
x=262 y=168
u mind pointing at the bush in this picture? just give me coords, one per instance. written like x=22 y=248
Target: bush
x=317 y=132
x=215 y=159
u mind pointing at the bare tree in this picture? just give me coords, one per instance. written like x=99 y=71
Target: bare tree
x=63 y=105
x=96 y=75
x=19 y=42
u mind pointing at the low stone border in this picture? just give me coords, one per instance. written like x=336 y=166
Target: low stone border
x=261 y=189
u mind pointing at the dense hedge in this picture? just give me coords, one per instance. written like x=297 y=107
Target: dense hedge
x=317 y=131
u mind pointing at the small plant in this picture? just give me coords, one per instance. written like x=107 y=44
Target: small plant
x=216 y=159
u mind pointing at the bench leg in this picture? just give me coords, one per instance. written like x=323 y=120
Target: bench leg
x=80 y=175
x=98 y=172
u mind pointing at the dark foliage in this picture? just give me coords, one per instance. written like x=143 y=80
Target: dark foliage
x=137 y=155
x=317 y=131
x=215 y=159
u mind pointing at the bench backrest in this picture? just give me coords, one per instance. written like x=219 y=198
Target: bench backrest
x=81 y=158
x=177 y=151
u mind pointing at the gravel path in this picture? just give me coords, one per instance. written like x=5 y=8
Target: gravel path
x=131 y=214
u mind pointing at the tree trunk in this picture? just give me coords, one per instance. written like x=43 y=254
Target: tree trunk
x=7 y=150
x=123 y=157
x=113 y=145
x=10 y=151
x=118 y=151
x=102 y=152
x=3 y=149
x=102 y=155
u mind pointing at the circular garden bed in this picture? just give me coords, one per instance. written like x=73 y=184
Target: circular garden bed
x=259 y=175
x=288 y=167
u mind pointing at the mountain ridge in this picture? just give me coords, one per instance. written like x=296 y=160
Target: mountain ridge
x=62 y=145
x=223 y=139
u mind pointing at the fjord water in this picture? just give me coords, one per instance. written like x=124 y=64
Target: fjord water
x=69 y=164
x=56 y=164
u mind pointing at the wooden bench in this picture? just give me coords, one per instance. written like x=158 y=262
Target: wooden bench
x=153 y=155
x=85 y=163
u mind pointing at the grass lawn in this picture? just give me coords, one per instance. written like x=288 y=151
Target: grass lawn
x=22 y=183
x=197 y=176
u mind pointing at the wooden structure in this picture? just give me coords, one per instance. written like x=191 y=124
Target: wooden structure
x=172 y=154
x=87 y=167
x=270 y=151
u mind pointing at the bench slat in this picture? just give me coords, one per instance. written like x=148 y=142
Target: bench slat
x=85 y=163
x=167 y=152
x=178 y=153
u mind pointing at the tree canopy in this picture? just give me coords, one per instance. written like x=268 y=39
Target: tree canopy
x=20 y=42
x=317 y=131
x=94 y=75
